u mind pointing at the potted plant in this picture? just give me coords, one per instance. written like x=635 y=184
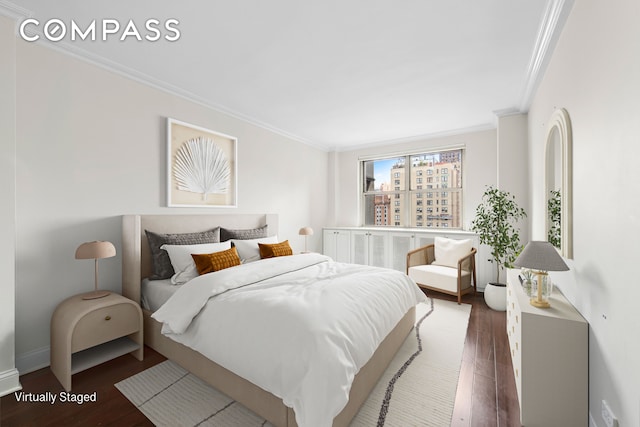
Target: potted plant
x=495 y=222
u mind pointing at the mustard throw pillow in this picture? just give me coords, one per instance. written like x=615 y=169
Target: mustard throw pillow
x=276 y=249
x=207 y=263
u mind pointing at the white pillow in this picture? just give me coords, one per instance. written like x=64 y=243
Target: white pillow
x=248 y=249
x=449 y=251
x=182 y=262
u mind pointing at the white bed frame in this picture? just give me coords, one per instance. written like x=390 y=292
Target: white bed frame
x=136 y=264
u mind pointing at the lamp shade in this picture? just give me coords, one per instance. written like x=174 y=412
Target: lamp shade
x=95 y=250
x=542 y=256
x=306 y=231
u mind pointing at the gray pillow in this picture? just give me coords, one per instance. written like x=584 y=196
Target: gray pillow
x=244 y=234
x=161 y=267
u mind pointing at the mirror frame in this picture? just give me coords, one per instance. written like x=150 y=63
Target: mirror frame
x=560 y=121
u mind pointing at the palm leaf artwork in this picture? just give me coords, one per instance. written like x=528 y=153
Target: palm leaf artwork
x=201 y=167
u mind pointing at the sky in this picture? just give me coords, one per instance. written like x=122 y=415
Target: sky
x=381 y=171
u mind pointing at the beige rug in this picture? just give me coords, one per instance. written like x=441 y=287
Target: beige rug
x=417 y=389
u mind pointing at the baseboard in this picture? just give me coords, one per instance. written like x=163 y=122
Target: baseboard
x=9 y=382
x=33 y=360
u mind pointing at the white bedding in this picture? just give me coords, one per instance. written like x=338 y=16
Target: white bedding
x=299 y=327
x=154 y=293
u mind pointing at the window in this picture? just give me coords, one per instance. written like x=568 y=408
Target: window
x=408 y=180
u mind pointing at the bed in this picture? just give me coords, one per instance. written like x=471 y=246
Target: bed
x=137 y=265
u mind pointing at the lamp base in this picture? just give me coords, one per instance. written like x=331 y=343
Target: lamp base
x=540 y=304
x=96 y=294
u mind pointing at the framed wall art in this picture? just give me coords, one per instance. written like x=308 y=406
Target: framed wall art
x=202 y=167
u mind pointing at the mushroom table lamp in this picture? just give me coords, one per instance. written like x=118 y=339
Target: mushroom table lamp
x=540 y=257
x=95 y=250
x=305 y=231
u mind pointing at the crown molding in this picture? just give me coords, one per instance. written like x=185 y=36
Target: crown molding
x=555 y=15
x=124 y=71
x=506 y=112
x=14 y=11
x=423 y=137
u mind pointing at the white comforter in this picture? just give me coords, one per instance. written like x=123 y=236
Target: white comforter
x=299 y=327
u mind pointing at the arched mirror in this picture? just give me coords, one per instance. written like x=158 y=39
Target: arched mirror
x=558 y=173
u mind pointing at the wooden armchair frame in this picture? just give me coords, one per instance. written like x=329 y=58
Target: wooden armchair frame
x=426 y=255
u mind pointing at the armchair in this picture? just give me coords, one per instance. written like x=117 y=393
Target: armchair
x=447 y=266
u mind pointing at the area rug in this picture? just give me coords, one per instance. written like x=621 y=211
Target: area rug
x=417 y=389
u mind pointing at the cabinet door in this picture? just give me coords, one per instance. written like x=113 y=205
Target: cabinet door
x=377 y=249
x=369 y=248
x=424 y=239
x=399 y=245
x=343 y=246
x=360 y=247
x=336 y=244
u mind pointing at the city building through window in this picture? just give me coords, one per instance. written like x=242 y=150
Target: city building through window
x=400 y=178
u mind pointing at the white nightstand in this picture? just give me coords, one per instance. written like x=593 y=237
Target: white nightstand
x=85 y=333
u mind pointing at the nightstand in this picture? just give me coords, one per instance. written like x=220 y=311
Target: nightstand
x=86 y=333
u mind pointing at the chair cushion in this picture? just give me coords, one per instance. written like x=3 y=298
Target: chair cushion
x=437 y=276
x=449 y=251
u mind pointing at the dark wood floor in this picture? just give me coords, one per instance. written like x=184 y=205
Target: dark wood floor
x=486 y=393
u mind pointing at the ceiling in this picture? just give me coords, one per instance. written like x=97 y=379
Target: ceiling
x=334 y=74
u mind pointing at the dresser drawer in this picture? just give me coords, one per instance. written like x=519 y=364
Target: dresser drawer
x=105 y=324
x=514 y=333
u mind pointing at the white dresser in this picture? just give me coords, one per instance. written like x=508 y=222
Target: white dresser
x=550 y=352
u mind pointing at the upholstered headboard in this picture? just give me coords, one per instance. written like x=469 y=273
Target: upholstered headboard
x=136 y=258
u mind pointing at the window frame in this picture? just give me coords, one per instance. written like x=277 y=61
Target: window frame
x=405 y=197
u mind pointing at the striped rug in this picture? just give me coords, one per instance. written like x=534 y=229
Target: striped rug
x=417 y=389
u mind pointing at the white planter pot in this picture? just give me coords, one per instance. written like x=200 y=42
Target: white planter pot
x=495 y=295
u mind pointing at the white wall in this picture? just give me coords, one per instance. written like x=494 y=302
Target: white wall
x=91 y=147
x=8 y=374
x=595 y=75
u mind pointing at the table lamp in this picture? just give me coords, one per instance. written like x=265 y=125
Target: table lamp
x=95 y=250
x=540 y=257
x=305 y=231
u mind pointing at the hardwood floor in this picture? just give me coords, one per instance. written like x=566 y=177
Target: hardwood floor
x=486 y=394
